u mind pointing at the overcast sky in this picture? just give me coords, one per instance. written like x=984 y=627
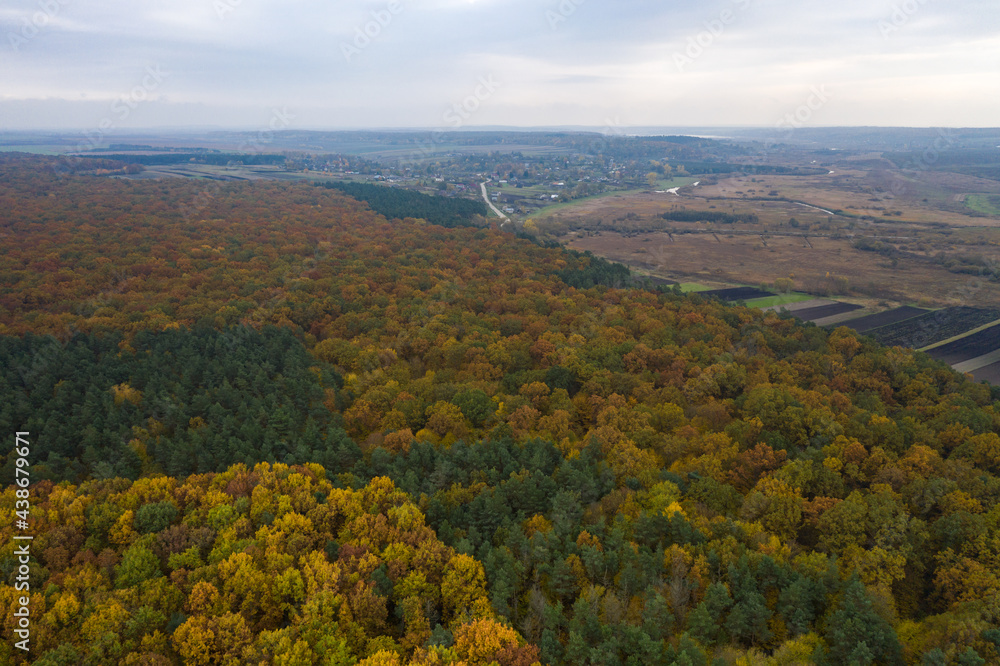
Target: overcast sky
x=308 y=64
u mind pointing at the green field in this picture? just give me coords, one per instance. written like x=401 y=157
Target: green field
x=38 y=150
x=780 y=299
x=988 y=204
x=688 y=287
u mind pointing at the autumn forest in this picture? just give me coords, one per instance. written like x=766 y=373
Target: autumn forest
x=275 y=424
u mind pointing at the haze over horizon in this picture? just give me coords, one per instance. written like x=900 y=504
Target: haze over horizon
x=453 y=64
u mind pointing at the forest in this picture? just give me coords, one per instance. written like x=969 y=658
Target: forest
x=273 y=424
x=399 y=203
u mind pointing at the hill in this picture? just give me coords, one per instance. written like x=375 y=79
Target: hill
x=217 y=383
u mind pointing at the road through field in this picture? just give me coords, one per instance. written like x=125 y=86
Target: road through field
x=799 y=203
x=489 y=203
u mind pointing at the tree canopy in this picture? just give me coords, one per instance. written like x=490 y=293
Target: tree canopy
x=275 y=426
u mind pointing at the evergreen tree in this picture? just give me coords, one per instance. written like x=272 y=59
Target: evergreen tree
x=856 y=634
x=747 y=621
x=706 y=621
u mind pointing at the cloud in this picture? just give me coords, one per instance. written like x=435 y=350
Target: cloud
x=404 y=62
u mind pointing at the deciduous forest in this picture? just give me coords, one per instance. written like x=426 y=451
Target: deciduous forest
x=273 y=425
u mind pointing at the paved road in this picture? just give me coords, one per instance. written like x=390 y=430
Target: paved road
x=489 y=203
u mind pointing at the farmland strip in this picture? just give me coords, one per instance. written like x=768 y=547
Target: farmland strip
x=978 y=362
x=934 y=327
x=990 y=373
x=969 y=347
x=823 y=311
x=736 y=293
x=894 y=316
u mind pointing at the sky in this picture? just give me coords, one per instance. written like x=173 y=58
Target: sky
x=107 y=65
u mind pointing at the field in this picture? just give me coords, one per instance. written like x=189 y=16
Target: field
x=229 y=173
x=827 y=266
x=778 y=301
x=879 y=193
x=989 y=373
x=737 y=293
x=969 y=347
x=988 y=205
x=595 y=199
x=934 y=327
x=895 y=262
x=894 y=316
x=823 y=311
x=803 y=304
x=865 y=229
x=36 y=149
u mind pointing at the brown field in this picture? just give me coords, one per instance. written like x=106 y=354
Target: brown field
x=831 y=267
x=928 y=244
x=886 y=196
